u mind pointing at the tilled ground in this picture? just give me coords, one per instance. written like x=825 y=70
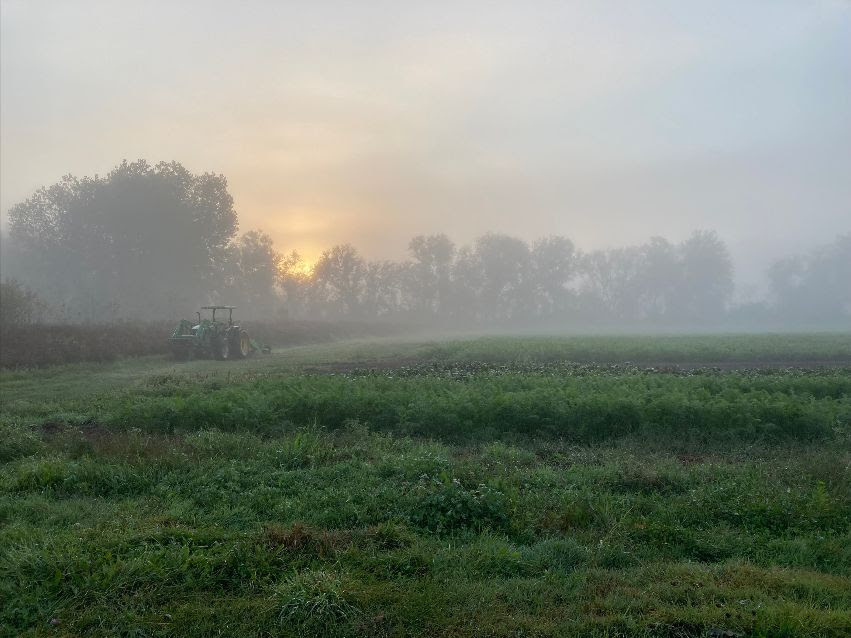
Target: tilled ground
x=410 y=366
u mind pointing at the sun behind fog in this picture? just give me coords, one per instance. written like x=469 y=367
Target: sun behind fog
x=305 y=267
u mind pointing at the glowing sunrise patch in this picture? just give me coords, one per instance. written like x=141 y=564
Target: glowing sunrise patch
x=304 y=267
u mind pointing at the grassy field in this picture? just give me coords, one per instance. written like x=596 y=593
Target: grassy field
x=535 y=486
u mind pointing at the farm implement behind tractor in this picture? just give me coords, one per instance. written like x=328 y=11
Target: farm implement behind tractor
x=213 y=338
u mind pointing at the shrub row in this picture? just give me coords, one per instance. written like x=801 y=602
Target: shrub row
x=47 y=344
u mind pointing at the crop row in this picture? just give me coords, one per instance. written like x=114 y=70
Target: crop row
x=580 y=408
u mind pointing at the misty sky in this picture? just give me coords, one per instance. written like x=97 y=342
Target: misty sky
x=371 y=122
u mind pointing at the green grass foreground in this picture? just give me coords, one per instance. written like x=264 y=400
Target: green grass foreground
x=459 y=488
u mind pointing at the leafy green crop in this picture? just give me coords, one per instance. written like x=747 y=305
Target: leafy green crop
x=581 y=406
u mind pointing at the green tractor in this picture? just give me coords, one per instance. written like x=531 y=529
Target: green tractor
x=212 y=338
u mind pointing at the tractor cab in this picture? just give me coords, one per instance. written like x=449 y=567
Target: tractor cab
x=230 y=310
x=212 y=315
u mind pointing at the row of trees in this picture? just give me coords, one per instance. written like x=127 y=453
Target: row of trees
x=502 y=279
x=156 y=241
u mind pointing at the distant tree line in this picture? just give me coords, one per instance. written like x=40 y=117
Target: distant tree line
x=503 y=280
x=153 y=241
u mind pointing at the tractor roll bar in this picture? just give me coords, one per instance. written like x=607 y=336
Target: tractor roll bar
x=230 y=310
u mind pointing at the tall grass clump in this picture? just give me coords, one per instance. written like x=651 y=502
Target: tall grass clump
x=315 y=602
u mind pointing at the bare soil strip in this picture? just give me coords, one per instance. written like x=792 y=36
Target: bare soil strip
x=399 y=363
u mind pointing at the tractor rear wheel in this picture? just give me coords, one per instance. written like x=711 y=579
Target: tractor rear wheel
x=222 y=348
x=240 y=344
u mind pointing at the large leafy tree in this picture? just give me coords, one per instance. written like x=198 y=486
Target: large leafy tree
x=705 y=278
x=498 y=271
x=430 y=273
x=142 y=241
x=815 y=288
x=609 y=283
x=553 y=267
x=339 y=280
x=254 y=274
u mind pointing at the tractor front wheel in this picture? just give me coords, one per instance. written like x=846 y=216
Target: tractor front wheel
x=244 y=344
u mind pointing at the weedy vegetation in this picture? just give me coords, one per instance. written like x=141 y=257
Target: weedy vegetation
x=476 y=487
